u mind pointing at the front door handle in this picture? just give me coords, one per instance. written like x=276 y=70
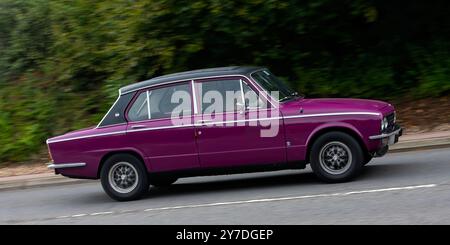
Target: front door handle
x=204 y=121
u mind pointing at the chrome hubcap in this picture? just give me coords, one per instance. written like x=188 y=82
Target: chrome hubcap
x=123 y=177
x=335 y=157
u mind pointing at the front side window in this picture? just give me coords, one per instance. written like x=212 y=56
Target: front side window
x=220 y=96
x=228 y=96
x=161 y=103
x=252 y=98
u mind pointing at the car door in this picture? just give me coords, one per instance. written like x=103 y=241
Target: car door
x=231 y=134
x=160 y=125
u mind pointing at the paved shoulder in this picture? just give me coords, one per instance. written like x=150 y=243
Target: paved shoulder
x=400 y=188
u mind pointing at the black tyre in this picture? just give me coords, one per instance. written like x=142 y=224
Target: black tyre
x=162 y=181
x=124 y=177
x=367 y=160
x=336 y=157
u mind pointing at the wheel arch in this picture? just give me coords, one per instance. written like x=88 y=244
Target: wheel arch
x=127 y=151
x=353 y=132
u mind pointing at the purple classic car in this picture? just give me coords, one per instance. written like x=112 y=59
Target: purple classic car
x=222 y=121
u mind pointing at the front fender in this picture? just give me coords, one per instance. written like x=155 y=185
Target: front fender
x=343 y=126
x=301 y=132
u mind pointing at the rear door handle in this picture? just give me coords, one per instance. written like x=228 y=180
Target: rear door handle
x=138 y=126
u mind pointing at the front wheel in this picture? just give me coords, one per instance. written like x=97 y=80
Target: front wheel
x=162 y=181
x=367 y=160
x=124 y=177
x=336 y=157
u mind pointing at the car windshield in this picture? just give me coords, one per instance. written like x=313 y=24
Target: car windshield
x=271 y=83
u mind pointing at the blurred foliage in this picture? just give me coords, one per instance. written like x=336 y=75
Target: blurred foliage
x=61 y=62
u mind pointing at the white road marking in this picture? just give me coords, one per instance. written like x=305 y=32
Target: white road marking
x=403 y=188
x=100 y=213
x=291 y=198
x=78 y=215
x=63 y=217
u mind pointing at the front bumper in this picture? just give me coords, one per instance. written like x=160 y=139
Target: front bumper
x=51 y=165
x=389 y=138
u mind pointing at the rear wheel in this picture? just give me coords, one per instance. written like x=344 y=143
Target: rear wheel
x=124 y=177
x=336 y=157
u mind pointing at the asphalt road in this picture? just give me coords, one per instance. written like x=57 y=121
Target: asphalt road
x=400 y=188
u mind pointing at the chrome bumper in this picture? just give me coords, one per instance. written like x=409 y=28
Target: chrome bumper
x=398 y=132
x=51 y=165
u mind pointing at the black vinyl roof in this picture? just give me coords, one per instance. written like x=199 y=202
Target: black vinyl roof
x=189 y=75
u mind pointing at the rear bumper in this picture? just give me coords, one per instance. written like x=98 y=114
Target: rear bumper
x=52 y=165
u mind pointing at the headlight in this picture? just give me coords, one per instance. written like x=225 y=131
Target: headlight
x=384 y=124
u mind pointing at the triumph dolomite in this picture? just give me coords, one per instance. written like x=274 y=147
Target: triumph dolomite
x=221 y=121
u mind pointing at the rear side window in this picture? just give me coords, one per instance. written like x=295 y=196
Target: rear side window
x=161 y=103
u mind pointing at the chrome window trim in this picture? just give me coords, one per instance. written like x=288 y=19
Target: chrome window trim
x=242 y=93
x=264 y=93
x=183 y=80
x=66 y=165
x=210 y=77
x=148 y=104
x=194 y=97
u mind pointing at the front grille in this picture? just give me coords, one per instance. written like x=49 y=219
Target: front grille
x=391 y=122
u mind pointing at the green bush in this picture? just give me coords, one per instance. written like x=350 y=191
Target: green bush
x=61 y=62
